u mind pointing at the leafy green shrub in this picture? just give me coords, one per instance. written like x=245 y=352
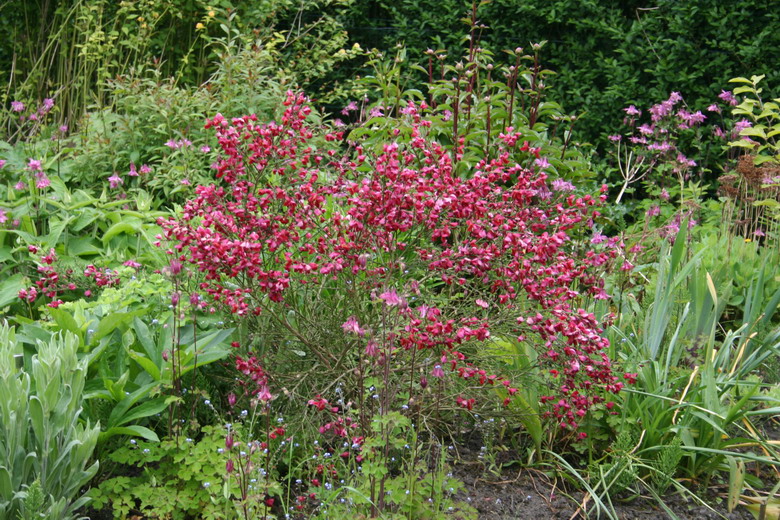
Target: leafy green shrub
x=45 y=448
x=175 y=467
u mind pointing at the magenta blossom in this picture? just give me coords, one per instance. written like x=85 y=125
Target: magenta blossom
x=542 y=162
x=351 y=326
x=562 y=185
x=42 y=182
x=34 y=165
x=115 y=180
x=742 y=124
x=17 y=106
x=372 y=349
x=631 y=110
x=391 y=298
x=351 y=107
x=728 y=97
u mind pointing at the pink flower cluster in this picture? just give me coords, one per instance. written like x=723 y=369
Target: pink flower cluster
x=500 y=234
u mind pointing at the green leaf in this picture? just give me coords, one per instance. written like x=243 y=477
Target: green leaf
x=9 y=289
x=112 y=322
x=147 y=364
x=144 y=410
x=65 y=321
x=130 y=227
x=133 y=431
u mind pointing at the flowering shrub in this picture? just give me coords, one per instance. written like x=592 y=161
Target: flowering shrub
x=429 y=262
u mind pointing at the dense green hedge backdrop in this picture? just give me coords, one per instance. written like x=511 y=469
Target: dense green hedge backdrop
x=607 y=53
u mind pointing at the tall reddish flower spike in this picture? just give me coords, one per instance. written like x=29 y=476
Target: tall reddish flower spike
x=501 y=232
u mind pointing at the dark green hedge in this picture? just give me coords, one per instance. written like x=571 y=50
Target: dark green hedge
x=608 y=53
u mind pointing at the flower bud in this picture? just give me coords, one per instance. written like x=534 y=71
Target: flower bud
x=175 y=267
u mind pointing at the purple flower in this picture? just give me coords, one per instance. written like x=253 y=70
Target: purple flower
x=145 y=168
x=632 y=111
x=34 y=165
x=173 y=145
x=19 y=186
x=351 y=326
x=437 y=371
x=615 y=138
x=42 y=182
x=264 y=394
x=653 y=211
x=697 y=118
x=175 y=266
x=562 y=185
x=661 y=147
x=674 y=98
x=132 y=172
x=684 y=161
x=713 y=108
x=115 y=180
x=351 y=107
x=646 y=129
x=661 y=110
x=759 y=232
x=391 y=298
x=542 y=162
x=48 y=104
x=205 y=149
x=598 y=238
x=372 y=349
x=728 y=97
x=741 y=125
x=63 y=129
x=17 y=106
x=664 y=194
x=376 y=112
x=2 y=163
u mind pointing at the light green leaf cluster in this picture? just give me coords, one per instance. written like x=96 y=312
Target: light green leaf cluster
x=45 y=449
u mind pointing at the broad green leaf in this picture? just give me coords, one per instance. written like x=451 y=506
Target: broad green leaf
x=147 y=364
x=133 y=431
x=9 y=289
x=144 y=410
x=65 y=321
x=130 y=227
